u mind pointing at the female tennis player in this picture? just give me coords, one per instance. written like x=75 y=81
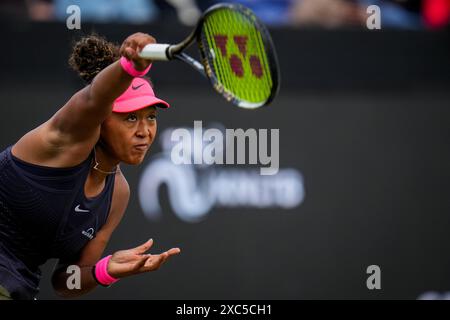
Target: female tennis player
x=62 y=193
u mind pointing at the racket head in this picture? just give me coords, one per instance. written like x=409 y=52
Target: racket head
x=238 y=55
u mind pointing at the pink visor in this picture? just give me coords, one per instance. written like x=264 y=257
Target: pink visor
x=139 y=95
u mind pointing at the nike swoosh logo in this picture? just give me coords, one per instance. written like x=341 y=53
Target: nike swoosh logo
x=135 y=88
x=77 y=209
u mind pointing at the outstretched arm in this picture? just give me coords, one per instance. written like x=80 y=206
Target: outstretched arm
x=68 y=137
x=122 y=263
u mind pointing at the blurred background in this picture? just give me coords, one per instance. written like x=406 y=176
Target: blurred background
x=364 y=149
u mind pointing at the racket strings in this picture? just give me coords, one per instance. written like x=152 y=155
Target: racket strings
x=222 y=81
x=236 y=54
x=218 y=41
x=234 y=63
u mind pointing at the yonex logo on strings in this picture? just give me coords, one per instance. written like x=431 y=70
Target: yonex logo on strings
x=235 y=61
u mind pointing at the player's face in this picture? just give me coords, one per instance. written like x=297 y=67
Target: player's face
x=130 y=135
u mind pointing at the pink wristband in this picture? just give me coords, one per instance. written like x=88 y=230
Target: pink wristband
x=129 y=68
x=101 y=272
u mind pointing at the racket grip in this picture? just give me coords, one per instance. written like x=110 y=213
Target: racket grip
x=155 y=52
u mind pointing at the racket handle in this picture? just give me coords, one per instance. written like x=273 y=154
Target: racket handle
x=155 y=52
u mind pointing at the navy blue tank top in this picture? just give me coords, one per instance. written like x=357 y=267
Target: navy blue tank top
x=44 y=213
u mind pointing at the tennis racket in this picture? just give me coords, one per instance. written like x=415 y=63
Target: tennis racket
x=237 y=55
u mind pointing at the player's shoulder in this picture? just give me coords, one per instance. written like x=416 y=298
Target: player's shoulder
x=121 y=187
x=119 y=202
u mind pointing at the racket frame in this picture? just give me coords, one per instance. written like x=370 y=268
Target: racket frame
x=175 y=51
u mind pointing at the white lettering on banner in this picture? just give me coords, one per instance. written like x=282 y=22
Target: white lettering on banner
x=194 y=190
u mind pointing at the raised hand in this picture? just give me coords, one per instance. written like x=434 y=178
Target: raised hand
x=124 y=263
x=133 y=45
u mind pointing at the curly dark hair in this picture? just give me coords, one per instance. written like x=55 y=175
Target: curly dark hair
x=91 y=54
